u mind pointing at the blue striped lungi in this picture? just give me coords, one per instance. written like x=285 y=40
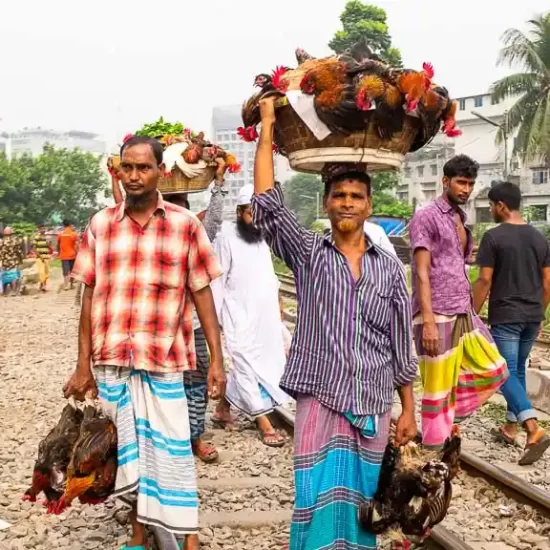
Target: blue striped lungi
x=336 y=468
x=156 y=467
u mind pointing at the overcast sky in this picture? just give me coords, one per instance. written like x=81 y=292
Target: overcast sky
x=109 y=66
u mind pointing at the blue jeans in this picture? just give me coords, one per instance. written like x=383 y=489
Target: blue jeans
x=514 y=342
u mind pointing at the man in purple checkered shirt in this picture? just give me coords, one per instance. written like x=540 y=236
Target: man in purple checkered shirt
x=351 y=350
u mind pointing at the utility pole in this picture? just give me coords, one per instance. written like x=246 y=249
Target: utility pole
x=504 y=128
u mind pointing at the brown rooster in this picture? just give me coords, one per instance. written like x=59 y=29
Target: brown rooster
x=92 y=471
x=54 y=454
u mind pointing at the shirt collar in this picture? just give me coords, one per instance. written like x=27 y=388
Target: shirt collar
x=328 y=240
x=446 y=208
x=120 y=209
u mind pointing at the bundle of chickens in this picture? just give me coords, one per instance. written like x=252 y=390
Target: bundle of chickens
x=351 y=93
x=413 y=494
x=184 y=150
x=77 y=459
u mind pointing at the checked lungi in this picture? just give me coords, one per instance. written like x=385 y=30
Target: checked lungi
x=467 y=372
x=155 y=463
x=196 y=390
x=336 y=469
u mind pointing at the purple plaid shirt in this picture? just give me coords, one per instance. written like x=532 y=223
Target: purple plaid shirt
x=353 y=342
x=434 y=229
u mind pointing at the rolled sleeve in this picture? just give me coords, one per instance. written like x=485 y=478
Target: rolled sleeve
x=203 y=266
x=283 y=233
x=405 y=363
x=84 y=270
x=420 y=232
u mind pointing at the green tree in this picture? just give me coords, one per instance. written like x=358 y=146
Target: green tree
x=366 y=22
x=301 y=196
x=59 y=183
x=530 y=115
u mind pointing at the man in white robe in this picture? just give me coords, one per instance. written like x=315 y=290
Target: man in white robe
x=247 y=303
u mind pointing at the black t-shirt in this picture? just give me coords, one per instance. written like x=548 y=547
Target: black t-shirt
x=517 y=253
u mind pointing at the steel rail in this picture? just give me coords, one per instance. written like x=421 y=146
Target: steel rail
x=439 y=534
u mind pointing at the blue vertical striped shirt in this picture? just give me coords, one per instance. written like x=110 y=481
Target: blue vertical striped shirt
x=353 y=341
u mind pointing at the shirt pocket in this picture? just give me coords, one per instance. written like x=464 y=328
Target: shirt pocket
x=376 y=306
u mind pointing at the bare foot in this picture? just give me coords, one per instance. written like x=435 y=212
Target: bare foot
x=192 y=542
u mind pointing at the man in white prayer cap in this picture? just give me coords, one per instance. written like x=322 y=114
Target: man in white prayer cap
x=247 y=303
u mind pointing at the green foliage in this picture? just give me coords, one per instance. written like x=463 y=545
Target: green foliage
x=301 y=197
x=161 y=128
x=384 y=204
x=480 y=229
x=59 y=183
x=366 y=22
x=530 y=115
x=280 y=266
x=383 y=182
x=318 y=227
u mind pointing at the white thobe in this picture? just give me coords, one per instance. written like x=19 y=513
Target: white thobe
x=378 y=236
x=247 y=304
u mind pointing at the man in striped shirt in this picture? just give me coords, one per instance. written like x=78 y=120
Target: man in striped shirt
x=352 y=348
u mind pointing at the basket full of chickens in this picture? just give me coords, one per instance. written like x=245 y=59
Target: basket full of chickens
x=190 y=160
x=350 y=108
x=414 y=491
x=77 y=459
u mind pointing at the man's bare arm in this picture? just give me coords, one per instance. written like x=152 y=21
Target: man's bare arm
x=117 y=192
x=82 y=381
x=430 y=333
x=481 y=287
x=206 y=310
x=264 y=173
x=546 y=287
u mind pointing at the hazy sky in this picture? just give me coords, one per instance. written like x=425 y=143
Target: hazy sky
x=109 y=66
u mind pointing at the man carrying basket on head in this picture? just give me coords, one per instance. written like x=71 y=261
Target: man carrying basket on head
x=144 y=262
x=352 y=347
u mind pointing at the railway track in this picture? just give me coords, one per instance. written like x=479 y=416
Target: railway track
x=508 y=484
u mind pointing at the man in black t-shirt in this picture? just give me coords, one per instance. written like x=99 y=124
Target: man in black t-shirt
x=514 y=261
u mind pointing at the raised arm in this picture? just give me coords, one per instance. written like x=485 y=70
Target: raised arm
x=286 y=237
x=213 y=217
x=422 y=240
x=115 y=188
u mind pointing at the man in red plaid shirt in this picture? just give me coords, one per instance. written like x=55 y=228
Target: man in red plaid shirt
x=144 y=263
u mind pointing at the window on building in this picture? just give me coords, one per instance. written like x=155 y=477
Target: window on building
x=462 y=104
x=434 y=169
x=403 y=196
x=483 y=215
x=478 y=101
x=420 y=171
x=540 y=176
x=407 y=172
x=429 y=195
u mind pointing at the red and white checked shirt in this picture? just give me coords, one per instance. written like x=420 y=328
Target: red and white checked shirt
x=142 y=279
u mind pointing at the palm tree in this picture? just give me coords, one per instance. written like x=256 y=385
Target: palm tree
x=530 y=115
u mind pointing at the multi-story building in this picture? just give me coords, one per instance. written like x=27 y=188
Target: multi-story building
x=225 y=121
x=423 y=170
x=31 y=141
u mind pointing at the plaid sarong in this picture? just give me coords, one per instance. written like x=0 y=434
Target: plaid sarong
x=196 y=390
x=467 y=372
x=336 y=468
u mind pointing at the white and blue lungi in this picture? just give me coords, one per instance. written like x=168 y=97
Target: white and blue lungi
x=155 y=461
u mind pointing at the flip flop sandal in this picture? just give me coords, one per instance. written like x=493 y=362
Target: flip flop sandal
x=501 y=435
x=211 y=454
x=124 y=547
x=534 y=451
x=272 y=439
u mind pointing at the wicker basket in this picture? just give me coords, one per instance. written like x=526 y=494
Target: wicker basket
x=307 y=154
x=178 y=182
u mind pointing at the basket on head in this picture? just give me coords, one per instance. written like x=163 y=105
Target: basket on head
x=308 y=154
x=177 y=182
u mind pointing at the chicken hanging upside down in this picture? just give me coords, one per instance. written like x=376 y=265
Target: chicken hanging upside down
x=92 y=470
x=54 y=454
x=413 y=497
